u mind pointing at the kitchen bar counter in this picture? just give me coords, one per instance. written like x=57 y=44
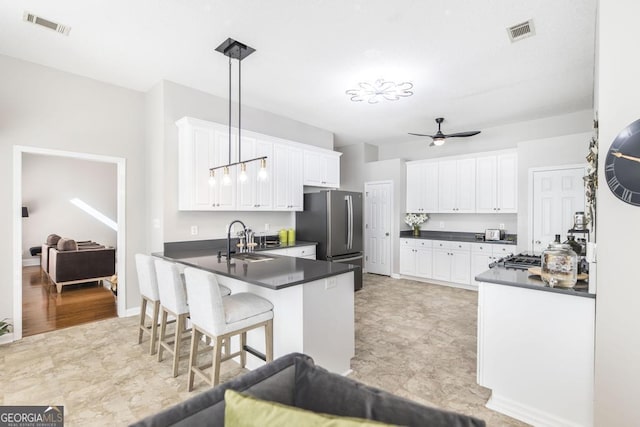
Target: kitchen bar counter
x=510 y=239
x=277 y=273
x=524 y=279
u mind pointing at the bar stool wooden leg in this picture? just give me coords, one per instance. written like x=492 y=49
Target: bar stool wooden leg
x=163 y=330
x=193 y=356
x=143 y=317
x=154 y=327
x=180 y=327
x=217 y=356
x=243 y=352
x=268 y=335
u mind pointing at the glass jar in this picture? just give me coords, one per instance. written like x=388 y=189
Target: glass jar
x=559 y=266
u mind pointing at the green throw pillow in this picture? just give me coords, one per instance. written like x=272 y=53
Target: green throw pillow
x=246 y=411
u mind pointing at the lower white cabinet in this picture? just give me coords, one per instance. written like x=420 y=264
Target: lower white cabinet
x=452 y=261
x=483 y=254
x=416 y=257
x=308 y=252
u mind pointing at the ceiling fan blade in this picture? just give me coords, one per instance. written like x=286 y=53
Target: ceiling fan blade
x=432 y=145
x=420 y=134
x=462 y=134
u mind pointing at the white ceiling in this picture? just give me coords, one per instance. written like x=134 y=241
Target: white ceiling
x=308 y=52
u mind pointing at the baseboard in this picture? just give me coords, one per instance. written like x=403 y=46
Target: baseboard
x=135 y=311
x=527 y=413
x=395 y=276
x=30 y=262
x=439 y=282
x=7 y=338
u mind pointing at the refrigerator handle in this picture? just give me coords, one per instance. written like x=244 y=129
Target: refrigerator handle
x=350 y=225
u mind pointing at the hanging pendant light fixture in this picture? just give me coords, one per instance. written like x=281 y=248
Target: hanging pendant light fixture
x=236 y=50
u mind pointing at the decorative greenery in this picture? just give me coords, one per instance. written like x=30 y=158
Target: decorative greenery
x=5 y=327
x=591 y=179
x=414 y=219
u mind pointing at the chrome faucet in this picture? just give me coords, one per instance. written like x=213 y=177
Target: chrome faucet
x=244 y=229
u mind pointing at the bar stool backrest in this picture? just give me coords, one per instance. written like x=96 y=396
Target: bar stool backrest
x=205 y=300
x=147 y=280
x=172 y=291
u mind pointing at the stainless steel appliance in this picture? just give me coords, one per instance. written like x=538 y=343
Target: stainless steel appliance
x=334 y=219
x=521 y=261
x=493 y=234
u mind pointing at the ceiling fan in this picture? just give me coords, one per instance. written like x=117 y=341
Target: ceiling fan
x=439 y=137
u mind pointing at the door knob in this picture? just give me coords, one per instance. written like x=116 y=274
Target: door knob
x=537 y=242
x=386 y=234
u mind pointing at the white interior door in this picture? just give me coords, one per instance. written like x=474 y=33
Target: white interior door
x=556 y=196
x=377 y=229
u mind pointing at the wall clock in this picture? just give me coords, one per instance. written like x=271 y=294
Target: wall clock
x=622 y=165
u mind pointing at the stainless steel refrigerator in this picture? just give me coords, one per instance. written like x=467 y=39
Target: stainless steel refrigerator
x=334 y=219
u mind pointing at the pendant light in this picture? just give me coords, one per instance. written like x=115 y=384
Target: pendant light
x=236 y=50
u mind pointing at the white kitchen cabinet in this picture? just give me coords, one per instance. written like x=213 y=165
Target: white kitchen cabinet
x=255 y=194
x=422 y=187
x=307 y=252
x=497 y=183
x=203 y=145
x=456 y=185
x=287 y=177
x=416 y=257
x=483 y=254
x=452 y=261
x=322 y=168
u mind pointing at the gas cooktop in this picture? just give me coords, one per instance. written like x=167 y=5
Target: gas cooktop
x=521 y=261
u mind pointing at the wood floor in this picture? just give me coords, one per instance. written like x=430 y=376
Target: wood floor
x=43 y=309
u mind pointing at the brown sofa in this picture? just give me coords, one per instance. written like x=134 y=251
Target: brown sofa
x=67 y=262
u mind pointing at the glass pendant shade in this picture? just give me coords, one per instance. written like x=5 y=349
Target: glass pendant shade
x=243 y=172
x=226 y=179
x=212 y=178
x=262 y=173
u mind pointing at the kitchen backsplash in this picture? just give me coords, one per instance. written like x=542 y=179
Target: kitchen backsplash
x=469 y=222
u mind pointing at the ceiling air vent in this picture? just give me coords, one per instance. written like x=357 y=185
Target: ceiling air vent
x=521 y=31
x=35 y=19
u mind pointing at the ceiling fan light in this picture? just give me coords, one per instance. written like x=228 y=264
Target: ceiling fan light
x=438 y=141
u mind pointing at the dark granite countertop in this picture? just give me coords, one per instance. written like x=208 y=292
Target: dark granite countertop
x=216 y=245
x=510 y=239
x=523 y=279
x=277 y=273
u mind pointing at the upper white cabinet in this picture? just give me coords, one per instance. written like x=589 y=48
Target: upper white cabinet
x=203 y=145
x=422 y=187
x=322 y=168
x=457 y=185
x=255 y=194
x=287 y=178
x=497 y=183
x=464 y=184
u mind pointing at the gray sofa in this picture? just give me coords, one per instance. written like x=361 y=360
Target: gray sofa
x=296 y=381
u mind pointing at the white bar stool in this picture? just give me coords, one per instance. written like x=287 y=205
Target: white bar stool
x=149 y=294
x=173 y=301
x=221 y=318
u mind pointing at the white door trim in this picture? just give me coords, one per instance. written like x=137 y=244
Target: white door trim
x=18 y=151
x=530 y=190
x=391 y=219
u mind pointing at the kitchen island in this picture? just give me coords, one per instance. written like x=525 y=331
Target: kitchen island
x=313 y=301
x=536 y=348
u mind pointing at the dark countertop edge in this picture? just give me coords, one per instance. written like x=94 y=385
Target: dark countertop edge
x=457 y=236
x=221 y=244
x=569 y=292
x=256 y=282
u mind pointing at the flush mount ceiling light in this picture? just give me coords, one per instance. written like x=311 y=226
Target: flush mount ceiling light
x=380 y=89
x=236 y=50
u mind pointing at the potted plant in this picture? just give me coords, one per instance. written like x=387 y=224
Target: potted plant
x=414 y=220
x=5 y=327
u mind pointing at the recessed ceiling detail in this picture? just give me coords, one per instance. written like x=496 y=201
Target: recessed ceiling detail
x=37 y=20
x=379 y=90
x=521 y=31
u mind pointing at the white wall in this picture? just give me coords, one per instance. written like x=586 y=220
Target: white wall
x=557 y=151
x=48 y=185
x=179 y=101
x=42 y=107
x=154 y=148
x=617 y=361
x=495 y=138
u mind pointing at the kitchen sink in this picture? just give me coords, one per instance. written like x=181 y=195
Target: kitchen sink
x=251 y=257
